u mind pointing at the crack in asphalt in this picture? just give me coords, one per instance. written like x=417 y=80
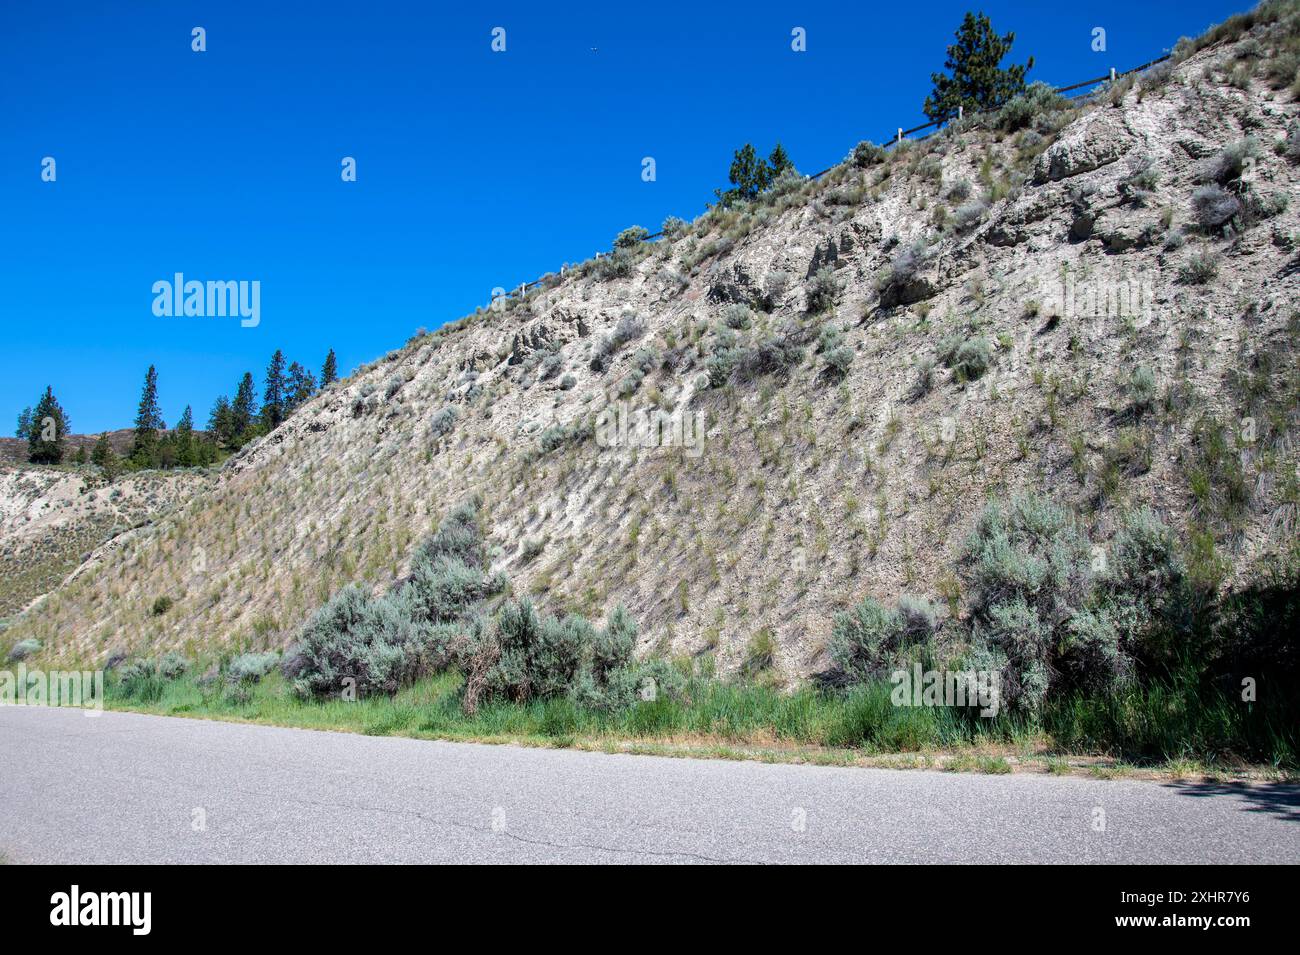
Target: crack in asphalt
x=467 y=827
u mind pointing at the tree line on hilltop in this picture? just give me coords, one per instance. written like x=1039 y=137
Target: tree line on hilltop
x=231 y=423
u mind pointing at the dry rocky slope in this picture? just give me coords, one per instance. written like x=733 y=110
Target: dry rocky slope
x=811 y=489
x=53 y=519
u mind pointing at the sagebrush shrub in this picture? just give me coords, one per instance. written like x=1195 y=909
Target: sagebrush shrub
x=550 y=365
x=383 y=643
x=1029 y=567
x=774 y=355
x=1142 y=389
x=1012 y=637
x=823 y=289
x=969 y=358
x=23 y=649
x=371 y=642
x=969 y=214
x=443 y=421
x=629 y=327
x=442 y=589
x=519 y=655
x=1214 y=207
x=173 y=666
x=1046 y=615
x=903 y=269
x=924 y=376
x=720 y=366
x=674 y=226
x=631 y=383
x=774 y=285
x=1228 y=164
x=618 y=264
x=1200 y=268
x=867 y=641
x=557 y=436
x=251 y=667
x=1030 y=548
x=1038 y=99
x=1140 y=181
x=1144 y=587
x=738 y=316
x=867 y=153
x=838 y=360
x=459 y=535
x=140 y=680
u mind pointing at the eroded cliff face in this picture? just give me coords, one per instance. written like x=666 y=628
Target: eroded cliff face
x=872 y=357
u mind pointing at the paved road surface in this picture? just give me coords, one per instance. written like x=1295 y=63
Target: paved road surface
x=124 y=787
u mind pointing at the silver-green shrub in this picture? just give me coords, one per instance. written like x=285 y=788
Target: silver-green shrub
x=383 y=643
x=520 y=655
x=23 y=649
x=1038 y=100
x=823 y=289
x=173 y=666
x=1030 y=570
x=251 y=667
x=869 y=640
x=357 y=641
x=738 y=316
x=1214 y=207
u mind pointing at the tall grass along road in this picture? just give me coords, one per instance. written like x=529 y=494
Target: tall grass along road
x=134 y=788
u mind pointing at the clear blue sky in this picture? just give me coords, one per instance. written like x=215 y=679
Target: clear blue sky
x=475 y=169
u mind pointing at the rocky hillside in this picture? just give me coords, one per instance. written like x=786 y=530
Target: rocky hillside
x=53 y=519
x=1090 y=301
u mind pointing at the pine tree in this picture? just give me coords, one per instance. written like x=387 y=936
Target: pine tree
x=329 y=373
x=748 y=174
x=105 y=458
x=24 y=422
x=301 y=386
x=243 y=409
x=183 y=440
x=148 y=422
x=102 y=450
x=47 y=430
x=779 y=160
x=80 y=456
x=206 y=450
x=221 y=423
x=976 y=83
x=273 y=397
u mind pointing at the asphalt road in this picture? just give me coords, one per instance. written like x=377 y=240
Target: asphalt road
x=129 y=788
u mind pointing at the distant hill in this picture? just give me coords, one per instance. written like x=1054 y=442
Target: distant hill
x=14 y=450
